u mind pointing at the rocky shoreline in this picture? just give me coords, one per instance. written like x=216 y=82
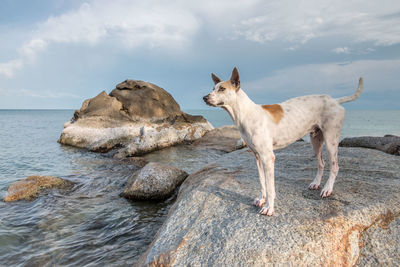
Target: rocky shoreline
x=212 y=221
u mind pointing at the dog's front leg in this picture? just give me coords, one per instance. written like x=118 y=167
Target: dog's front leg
x=268 y=161
x=259 y=202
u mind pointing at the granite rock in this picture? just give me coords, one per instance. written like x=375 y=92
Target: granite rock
x=213 y=222
x=155 y=181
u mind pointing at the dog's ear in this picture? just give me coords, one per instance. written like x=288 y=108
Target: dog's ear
x=235 y=79
x=215 y=78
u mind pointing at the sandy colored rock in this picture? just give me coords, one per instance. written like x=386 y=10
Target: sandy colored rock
x=143 y=100
x=380 y=243
x=213 y=221
x=155 y=181
x=389 y=143
x=136 y=113
x=31 y=187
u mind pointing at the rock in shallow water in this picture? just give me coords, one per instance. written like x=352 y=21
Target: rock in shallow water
x=389 y=143
x=31 y=187
x=155 y=181
x=213 y=222
x=138 y=116
x=225 y=138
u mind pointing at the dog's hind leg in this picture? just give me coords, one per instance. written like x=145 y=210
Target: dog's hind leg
x=317 y=140
x=331 y=142
x=259 y=202
x=268 y=162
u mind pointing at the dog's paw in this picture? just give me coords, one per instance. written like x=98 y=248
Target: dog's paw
x=313 y=186
x=259 y=202
x=326 y=192
x=267 y=211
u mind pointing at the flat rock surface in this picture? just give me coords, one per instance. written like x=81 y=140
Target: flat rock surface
x=213 y=222
x=155 y=181
x=33 y=186
x=225 y=138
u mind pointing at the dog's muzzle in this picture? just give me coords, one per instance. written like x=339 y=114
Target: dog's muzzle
x=206 y=99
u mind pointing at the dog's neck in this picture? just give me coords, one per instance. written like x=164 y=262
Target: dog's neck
x=239 y=109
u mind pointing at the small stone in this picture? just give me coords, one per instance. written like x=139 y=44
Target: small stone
x=155 y=181
x=137 y=161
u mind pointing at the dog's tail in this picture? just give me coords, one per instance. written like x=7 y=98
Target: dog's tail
x=352 y=97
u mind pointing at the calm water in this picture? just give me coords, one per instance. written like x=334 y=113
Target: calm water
x=90 y=224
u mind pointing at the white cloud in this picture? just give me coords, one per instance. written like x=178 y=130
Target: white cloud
x=372 y=21
x=156 y=24
x=341 y=50
x=34 y=94
x=126 y=24
x=9 y=68
x=336 y=79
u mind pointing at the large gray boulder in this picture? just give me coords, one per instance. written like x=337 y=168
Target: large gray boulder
x=155 y=181
x=389 y=143
x=213 y=222
x=137 y=117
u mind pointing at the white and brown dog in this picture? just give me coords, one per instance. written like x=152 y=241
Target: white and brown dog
x=265 y=128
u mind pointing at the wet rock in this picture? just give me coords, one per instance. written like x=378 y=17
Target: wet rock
x=225 y=138
x=155 y=181
x=137 y=161
x=213 y=222
x=31 y=187
x=389 y=143
x=136 y=118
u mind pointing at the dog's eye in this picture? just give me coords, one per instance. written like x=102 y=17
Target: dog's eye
x=221 y=89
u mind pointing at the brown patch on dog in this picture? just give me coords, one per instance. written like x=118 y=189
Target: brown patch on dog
x=275 y=111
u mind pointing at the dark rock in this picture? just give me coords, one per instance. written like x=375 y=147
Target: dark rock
x=155 y=181
x=137 y=161
x=389 y=143
x=31 y=187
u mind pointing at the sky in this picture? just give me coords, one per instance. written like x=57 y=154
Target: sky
x=57 y=53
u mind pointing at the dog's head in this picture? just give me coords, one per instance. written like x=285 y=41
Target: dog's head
x=224 y=92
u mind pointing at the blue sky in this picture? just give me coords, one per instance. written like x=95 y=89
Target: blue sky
x=56 y=53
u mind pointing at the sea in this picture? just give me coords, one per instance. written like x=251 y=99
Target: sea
x=91 y=225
